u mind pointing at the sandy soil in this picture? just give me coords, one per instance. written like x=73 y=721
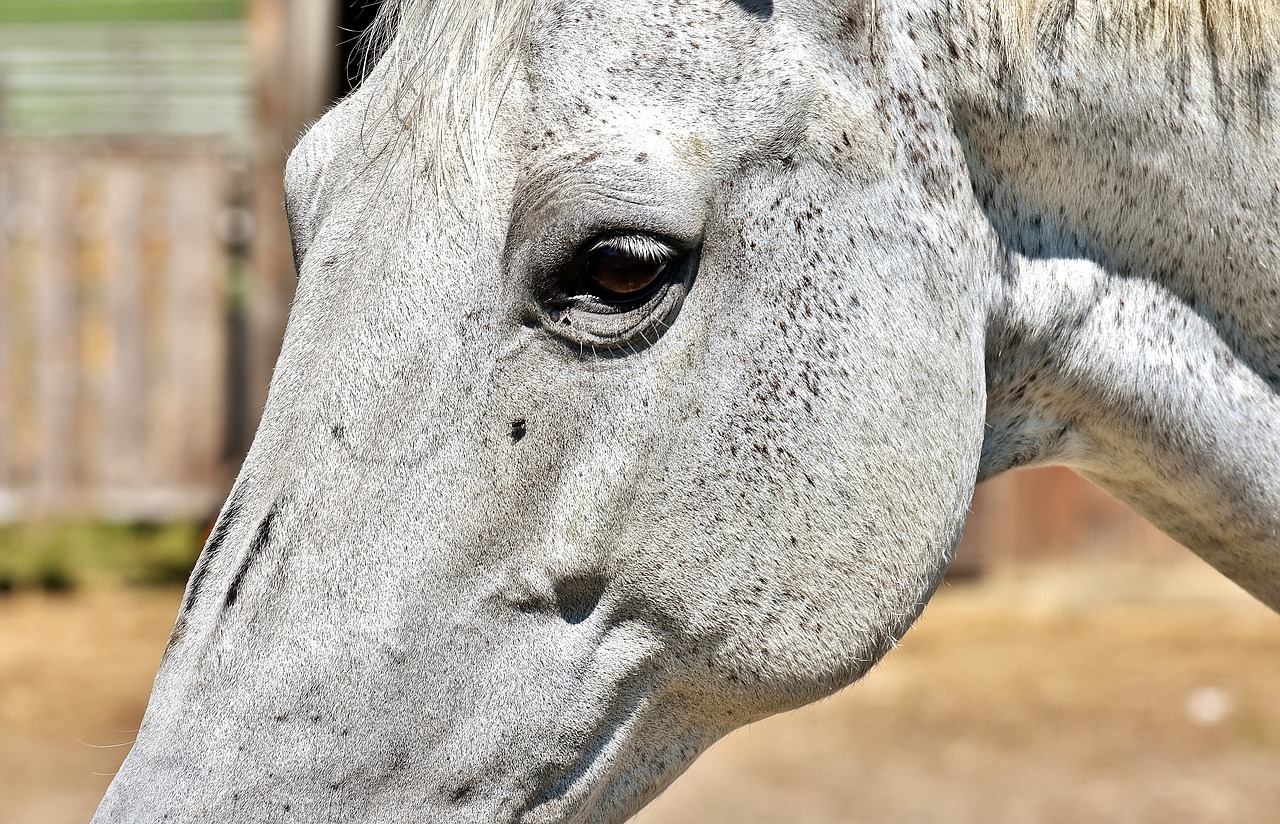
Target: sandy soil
x=1037 y=703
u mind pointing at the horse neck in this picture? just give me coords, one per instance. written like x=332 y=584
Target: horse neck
x=1153 y=151
x=1135 y=188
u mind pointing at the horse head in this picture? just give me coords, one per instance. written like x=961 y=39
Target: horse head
x=634 y=389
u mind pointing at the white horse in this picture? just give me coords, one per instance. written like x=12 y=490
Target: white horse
x=645 y=357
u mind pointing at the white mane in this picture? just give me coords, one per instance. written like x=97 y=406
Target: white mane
x=1247 y=31
x=453 y=60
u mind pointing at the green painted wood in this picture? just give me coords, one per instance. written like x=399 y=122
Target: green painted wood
x=139 y=79
x=91 y=11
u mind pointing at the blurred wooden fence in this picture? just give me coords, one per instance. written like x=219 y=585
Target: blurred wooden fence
x=113 y=330
x=1053 y=516
x=135 y=346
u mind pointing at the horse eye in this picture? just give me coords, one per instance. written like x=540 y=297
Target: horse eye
x=611 y=271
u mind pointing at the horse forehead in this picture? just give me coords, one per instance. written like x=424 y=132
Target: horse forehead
x=684 y=50
x=699 y=85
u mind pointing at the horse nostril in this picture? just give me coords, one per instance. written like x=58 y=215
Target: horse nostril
x=578 y=595
x=462 y=794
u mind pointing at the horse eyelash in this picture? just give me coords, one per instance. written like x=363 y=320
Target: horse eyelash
x=644 y=247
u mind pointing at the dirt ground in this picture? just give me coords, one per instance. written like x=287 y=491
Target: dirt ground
x=1068 y=698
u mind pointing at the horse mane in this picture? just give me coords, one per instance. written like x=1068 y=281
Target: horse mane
x=1246 y=32
x=447 y=42
x=453 y=59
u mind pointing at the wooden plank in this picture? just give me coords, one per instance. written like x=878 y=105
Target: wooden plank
x=65 y=11
x=197 y=316
x=1052 y=515
x=93 y=269
x=24 y=239
x=174 y=79
x=162 y=401
x=212 y=406
x=125 y=429
x=7 y=295
x=55 y=332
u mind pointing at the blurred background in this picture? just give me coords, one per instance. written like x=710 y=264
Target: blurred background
x=1078 y=666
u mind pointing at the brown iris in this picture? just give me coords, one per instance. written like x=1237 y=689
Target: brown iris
x=620 y=273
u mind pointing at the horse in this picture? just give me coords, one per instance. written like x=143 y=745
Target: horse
x=645 y=356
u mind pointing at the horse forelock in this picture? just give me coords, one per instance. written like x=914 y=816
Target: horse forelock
x=450 y=62
x=1242 y=31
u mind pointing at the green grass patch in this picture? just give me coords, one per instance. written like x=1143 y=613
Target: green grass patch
x=104 y=11
x=58 y=557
